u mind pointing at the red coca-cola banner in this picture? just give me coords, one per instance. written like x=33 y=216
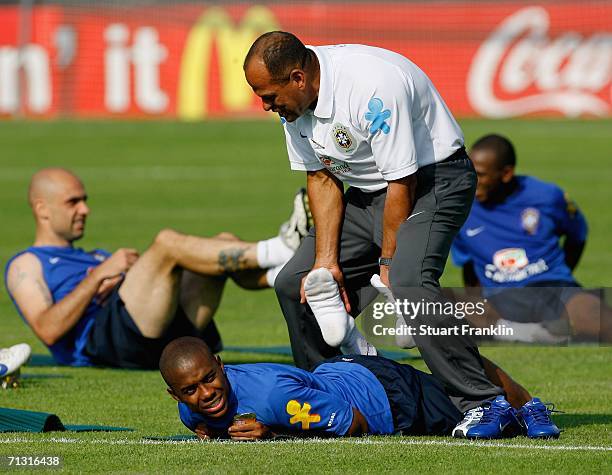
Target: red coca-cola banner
x=487 y=59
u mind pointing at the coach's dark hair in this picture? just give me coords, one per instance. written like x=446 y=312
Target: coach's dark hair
x=281 y=52
x=501 y=146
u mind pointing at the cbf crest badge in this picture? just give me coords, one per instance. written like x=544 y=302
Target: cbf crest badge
x=530 y=218
x=343 y=140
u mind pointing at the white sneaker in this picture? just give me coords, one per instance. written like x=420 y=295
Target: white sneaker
x=403 y=341
x=13 y=358
x=296 y=228
x=470 y=419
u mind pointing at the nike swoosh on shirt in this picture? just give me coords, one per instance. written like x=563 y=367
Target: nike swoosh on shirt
x=54 y=260
x=413 y=215
x=303 y=136
x=473 y=232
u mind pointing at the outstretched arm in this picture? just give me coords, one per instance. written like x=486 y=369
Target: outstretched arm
x=51 y=321
x=326 y=197
x=398 y=205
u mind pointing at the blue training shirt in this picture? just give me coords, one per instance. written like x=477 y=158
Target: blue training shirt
x=63 y=269
x=291 y=399
x=516 y=243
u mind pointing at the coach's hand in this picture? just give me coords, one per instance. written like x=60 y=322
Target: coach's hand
x=336 y=272
x=251 y=430
x=117 y=264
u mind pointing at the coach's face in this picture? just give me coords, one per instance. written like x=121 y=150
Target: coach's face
x=491 y=177
x=289 y=98
x=202 y=385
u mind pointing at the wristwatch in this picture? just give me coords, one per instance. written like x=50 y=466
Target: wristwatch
x=384 y=261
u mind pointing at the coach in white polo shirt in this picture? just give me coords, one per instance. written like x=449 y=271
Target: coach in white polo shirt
x=371 y=119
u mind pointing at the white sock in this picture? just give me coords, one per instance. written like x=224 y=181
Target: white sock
x=324 y=299
x=272 y=253
x=403 y=341
x=337 y=326
x=527 y=332
x=272 y=273
x=356 y=344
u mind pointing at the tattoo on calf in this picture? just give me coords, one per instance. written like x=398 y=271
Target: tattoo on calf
x=232 y=260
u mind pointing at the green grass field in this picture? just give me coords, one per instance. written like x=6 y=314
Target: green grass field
x=209 y=177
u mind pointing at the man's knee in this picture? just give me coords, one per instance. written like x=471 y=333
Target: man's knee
x=166 y=242
x=287 y=285
x=226 y=236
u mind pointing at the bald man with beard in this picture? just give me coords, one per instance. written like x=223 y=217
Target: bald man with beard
x=121 y=309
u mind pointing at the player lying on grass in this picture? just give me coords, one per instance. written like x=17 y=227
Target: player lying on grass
x=345 y=396
x=510 y=245
x=121 y=309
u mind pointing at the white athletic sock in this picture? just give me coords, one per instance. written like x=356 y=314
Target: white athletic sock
x=337 y=326
x=356 y=344
x=526 y=332
x=324 y=299
x=272 y=273
x=272 y=253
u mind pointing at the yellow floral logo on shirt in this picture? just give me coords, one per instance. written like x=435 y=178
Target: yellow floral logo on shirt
x=301 y=414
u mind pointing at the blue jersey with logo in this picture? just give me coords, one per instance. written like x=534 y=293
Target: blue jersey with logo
x=63 y=269
x=291 y=399
x=516 y=243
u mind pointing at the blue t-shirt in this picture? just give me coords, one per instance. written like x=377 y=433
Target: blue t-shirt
x=516 y=243
x=291 y=399
x=63 y=269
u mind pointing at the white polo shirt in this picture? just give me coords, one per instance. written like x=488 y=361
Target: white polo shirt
x=378 y=118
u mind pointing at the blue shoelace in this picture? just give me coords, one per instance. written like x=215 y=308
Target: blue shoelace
x=490 y=412
x=541 y=413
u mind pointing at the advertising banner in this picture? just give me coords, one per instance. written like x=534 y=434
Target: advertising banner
x=488 y=59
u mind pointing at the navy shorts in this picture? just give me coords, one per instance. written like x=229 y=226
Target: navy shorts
x=540 y=302
x=116 y=341
x=419 y=404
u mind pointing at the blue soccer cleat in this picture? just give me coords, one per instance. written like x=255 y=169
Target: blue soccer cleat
x=499 y=419
x=536 y=419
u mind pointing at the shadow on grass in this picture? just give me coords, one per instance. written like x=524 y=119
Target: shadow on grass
x=45 y=376
x=566 y=421
x=42 y=360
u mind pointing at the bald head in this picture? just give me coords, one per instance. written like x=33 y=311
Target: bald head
x=58 y=200
x=181 y=355
x=280 y=52
x=48 y=182
x=284 y=74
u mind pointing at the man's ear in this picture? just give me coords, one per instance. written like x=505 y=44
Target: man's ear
x=507 y=173
x=219 y=362
x=298 y=76
x=40 y=208
x=172 y=393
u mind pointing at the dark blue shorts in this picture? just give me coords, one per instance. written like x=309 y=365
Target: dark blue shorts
x=419 y=404
x=540 y=302
x=116 y=341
